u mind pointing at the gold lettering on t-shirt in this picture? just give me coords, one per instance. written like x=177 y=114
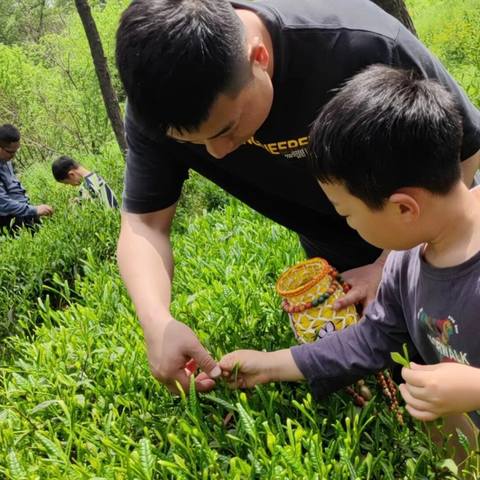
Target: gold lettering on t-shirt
x=293 y=148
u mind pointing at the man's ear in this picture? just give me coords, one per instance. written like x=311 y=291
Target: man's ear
x=406 y=206
x=257 y=53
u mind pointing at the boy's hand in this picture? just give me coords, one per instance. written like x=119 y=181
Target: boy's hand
x=245 y=368
x=255 y=367
x=433 y=391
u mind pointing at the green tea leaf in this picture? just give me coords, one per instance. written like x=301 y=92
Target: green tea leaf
x=396 y=357
x=448 y=464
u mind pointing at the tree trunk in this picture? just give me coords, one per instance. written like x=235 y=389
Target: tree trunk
x=103 y=73
x=397 y=9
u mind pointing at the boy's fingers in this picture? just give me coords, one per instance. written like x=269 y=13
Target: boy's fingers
x=423 y=368
x=230 y=360
x=414 y=377
x=422 y=415
x=238 y=382
x=227 y=362
x=412 y=400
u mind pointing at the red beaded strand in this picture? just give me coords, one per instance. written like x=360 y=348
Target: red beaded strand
x=337 y=283
x=390 y=393
x=358 y=399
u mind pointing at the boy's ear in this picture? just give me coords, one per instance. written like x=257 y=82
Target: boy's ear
x=406 y=206
x=257 y=52
x=72 y=174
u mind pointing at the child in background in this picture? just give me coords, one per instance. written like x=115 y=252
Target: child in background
x=406 y=133
x=69 y=171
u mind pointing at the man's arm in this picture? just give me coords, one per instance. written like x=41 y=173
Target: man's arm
x=145 y=259
x=13 y=207
x=470 y=168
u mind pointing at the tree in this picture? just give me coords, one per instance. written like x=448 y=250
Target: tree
x=26 y=21
x=397 y=9
x=103 y=73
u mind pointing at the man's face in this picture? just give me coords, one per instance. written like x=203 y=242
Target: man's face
x=384 y=228
x=8 y=152
x=232 y=122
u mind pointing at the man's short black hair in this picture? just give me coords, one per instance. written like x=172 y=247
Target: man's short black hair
x=8 y=134
x=175 y=57
x=387 y=129
x=62 y=166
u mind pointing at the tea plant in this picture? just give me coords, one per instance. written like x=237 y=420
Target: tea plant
x=77 y=399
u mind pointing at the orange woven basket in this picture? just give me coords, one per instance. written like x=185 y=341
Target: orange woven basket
x=309 y=290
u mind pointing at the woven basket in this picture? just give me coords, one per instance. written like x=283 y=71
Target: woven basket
x=304 y=283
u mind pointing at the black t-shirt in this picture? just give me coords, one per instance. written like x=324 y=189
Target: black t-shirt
x=317 y=45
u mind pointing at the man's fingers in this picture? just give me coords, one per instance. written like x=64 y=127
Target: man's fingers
x=351 y=298
x=175 y=385
x=205 y=361
x=191 y=367
x=203 y=383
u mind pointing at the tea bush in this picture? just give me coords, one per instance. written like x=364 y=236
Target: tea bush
x=77 y=400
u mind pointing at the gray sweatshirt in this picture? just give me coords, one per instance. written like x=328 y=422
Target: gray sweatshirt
x=435 y=311
x=13 y=197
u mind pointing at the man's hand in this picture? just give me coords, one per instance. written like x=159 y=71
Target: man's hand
x=247 y=368
x=174 y=352
x=364 y=282
x=433 y=391
x=44 y=210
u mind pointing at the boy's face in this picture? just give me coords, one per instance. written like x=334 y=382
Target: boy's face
x=390 y=228
x=74 y=179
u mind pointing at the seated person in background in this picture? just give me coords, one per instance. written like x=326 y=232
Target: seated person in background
x=406 y=132
x=15 y=208
x=69 y=171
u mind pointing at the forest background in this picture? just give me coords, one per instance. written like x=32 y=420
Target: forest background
x=76 y=396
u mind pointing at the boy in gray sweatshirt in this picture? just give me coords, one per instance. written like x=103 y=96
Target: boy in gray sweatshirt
x=406 y=133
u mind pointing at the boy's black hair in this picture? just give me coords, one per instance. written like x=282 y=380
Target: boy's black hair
x=8 y=134
x=387 y=129
x=62 y=166
x=175 y=57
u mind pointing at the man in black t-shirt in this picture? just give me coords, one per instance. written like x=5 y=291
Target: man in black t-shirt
x=229 y=89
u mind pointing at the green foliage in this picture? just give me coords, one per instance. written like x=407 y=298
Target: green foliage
x=25 y=21
x=32 y=266
x=450 y=29
x=198 y=195
x=50 y=91
x=77 y=399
